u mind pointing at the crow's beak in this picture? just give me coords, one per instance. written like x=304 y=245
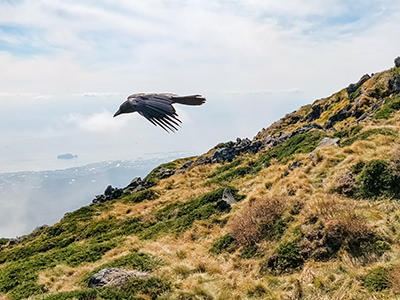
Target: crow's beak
x=118 y=113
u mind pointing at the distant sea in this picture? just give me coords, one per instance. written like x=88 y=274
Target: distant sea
x=31 y=199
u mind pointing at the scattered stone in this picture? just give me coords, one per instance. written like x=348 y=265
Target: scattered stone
x=223 y=154
x=295 y=164
x=184 y=167
x=204 y=160
x=164 y=173
x=327 y=141
x=114 y=277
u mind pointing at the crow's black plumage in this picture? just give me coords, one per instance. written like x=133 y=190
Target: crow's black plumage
x=157 y=108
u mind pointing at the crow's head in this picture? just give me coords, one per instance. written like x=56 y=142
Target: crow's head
x=125 y=108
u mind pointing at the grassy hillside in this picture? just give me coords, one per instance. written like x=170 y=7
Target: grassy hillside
x=305 y=221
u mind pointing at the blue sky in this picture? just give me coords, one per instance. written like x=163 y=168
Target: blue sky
x=67 y=65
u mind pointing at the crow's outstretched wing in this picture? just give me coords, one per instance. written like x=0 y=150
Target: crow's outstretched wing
x=158 y=110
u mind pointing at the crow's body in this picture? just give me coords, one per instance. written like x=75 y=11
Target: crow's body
x=157 y=108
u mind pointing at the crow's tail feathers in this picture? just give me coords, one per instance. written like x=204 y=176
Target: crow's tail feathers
x=189 y=100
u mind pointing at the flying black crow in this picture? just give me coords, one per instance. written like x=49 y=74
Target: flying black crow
x=157 y=108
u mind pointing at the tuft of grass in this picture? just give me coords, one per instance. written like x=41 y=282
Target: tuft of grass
x=225 y=243
x=366 y=134
x=377 y=280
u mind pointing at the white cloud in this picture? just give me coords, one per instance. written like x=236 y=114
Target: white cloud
x=102 y=122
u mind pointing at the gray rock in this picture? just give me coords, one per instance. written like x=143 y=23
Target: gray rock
x=109 y=194
x=137 y=185
x=394 y=85
x=315 y=113
x=203 y=160
x=327 y=141
x=114 y=277
x=223 y=154
x=228 y=197
x=397 y=62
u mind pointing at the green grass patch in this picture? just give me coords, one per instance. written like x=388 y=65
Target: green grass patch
x=225 y=243
x=391 y=105
x=178 y=217
x=377 y=179
x=140 y=196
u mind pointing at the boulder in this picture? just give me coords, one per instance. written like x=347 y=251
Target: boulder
x=228 y=197
x=397 y=62
x=114 y=277
x=327 y=141
x=223 y=154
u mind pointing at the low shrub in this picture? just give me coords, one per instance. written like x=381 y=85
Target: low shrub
x=377 y=179
x=258 y=220
x=377 y=280
x=287 y=258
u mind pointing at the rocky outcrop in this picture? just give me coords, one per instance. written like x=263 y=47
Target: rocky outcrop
x=114 y=277
x=228 y=151
x=394 y=85
x=136 y=185
x=354 y=86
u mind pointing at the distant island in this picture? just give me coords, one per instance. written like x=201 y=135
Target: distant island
x=67 y=156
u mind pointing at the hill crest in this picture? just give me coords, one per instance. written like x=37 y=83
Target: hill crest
x=303 y=220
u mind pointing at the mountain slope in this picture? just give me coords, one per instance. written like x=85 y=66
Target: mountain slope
x=308 y=209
